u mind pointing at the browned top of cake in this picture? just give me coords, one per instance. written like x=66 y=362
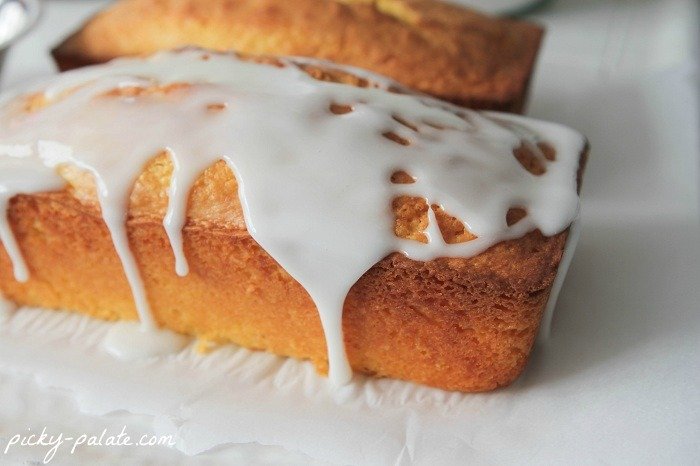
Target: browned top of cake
x=444 y=50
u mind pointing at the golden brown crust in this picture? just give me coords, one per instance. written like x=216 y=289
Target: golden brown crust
x=457 y=324
x=454 y=323
x=447 y=51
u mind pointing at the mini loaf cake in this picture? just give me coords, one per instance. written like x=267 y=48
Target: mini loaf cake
x=440 y=49
x=290 y=206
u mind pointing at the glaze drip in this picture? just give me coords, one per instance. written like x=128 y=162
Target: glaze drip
x=314 y=183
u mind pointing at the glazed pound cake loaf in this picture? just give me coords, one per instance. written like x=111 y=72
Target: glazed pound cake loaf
x=436 y=48
x=289 y=206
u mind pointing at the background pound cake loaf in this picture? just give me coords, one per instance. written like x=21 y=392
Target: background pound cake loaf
x=444 y=50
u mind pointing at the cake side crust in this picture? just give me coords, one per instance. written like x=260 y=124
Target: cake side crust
x=441 y=323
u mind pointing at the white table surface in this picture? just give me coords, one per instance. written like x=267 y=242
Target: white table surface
x=620 y=378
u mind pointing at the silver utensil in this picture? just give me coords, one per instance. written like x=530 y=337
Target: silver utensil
x=16 y=18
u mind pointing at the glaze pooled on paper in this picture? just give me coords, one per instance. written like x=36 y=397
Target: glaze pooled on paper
x=314 y=184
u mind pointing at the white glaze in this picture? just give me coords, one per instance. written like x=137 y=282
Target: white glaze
x=314 y=186
x=130 y=341
x=566 y=258
x=20 y=173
